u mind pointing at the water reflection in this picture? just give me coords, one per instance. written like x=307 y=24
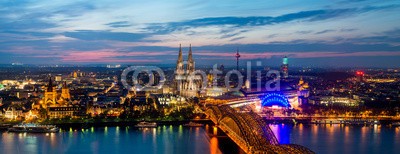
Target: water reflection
x=169 y=139
x=282 y=133
x=341 y=138
x=214 y=146
x=179 y=139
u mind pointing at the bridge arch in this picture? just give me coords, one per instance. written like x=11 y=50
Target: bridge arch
x=214 y=114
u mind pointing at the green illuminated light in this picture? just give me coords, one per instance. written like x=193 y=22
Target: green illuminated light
x=285 y=60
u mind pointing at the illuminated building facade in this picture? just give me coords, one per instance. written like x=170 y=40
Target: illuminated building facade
x=60 y=112
x=187 y=83
x=334 y=101
x=303 y=91
x=360 y=76
x=58 y=78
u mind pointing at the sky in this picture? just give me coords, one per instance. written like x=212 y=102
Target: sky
x=324 y=33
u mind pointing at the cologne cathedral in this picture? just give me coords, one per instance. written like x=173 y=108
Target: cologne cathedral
x=188 y=83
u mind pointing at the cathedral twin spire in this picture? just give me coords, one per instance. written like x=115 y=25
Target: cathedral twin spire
x=190 y=61
x=187 y=83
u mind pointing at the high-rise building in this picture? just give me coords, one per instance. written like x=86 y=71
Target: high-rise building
x=187 y=83
x=285 y=68
x=360 y=76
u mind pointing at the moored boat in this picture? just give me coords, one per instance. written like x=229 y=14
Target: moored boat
x=193 y=124
x=5 y=126
x=146 y=125
x=395 y=123
x=33 y=128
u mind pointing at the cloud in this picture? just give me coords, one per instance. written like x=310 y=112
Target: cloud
x=390 y=37
x=73 y=31
x=61 y=38
x=348 y=29
x=304 y=47
x=106 y=35
x=237 y=38
x=312 y=15
x=107 y=55
x=325 y=31
x=319 y=54
x=119 y=24
x=304 y=31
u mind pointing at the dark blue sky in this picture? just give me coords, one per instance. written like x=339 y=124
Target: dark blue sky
x=311 y=33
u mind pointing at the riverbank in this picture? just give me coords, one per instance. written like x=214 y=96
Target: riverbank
x=329 y=121
x=86 y=124
x=124 y=124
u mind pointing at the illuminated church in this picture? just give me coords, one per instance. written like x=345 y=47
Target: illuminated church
x=52 y=98
x=187 y=83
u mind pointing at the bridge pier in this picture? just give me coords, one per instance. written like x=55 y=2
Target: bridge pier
x=214 y=130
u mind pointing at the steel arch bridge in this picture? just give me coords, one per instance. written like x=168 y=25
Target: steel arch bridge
x=249 y=131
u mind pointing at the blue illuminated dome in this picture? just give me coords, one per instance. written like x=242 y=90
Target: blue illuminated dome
x=273 y=99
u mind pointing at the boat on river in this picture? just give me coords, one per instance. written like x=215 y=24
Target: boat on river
x=33 y=128
x=146 y=125
x=193 y=124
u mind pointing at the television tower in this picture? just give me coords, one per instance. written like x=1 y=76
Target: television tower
x=237 y=59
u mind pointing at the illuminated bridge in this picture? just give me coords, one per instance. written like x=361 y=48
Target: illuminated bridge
x=249 y=131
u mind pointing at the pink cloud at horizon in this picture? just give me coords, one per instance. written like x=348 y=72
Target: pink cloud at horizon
x=108 y=56
x=297 y=54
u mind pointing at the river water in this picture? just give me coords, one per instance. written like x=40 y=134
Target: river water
x=179 y=139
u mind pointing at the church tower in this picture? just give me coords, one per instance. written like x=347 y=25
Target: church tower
x=65 y=95
x=190 y=69
x=190 y=62
x=50 y=94
x=179 y=62
x=179 y=71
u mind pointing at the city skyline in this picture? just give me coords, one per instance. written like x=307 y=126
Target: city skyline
x=322 y=34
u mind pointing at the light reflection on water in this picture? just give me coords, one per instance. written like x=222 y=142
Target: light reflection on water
x=164 y=139
x=341 y=138
x=178 y=139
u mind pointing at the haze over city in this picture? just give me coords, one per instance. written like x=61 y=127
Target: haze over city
x=355 y=33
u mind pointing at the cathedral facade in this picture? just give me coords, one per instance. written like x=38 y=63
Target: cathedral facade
x=187 y=82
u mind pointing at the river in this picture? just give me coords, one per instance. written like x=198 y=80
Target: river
x=179 y=139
